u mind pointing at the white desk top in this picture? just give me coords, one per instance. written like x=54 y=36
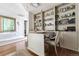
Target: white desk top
x=11 y=40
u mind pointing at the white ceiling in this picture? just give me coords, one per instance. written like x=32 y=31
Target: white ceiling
x=14 y=8
x=21 y=9
x=43 y=6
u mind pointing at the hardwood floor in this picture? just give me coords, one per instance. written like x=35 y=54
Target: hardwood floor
x=62 y=52
x=24 y=53
x=6 y=49
x=67 y=52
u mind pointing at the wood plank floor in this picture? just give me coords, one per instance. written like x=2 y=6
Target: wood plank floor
x=7 y=49
x=62 y=52
x=23 y=53
x=12 y=48
x=67 y=52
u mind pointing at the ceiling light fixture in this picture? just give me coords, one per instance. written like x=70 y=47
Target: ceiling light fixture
x=35 y=4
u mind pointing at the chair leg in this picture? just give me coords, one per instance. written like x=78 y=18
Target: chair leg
x=56 y=50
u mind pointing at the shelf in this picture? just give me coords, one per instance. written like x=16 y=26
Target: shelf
x=49 y=19
x=52 y=16
x=66 y=18
x=38 y=19
x=65 y=31
x=70 y=11
x=66 y=24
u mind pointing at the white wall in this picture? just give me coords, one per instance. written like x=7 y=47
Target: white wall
x=70 y=40
x=12 y=10
x=31 y=21
x=77 y=25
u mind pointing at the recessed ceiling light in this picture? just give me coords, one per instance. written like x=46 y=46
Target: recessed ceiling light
x=35 y=4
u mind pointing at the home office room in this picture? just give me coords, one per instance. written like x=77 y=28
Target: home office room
x=39 y=29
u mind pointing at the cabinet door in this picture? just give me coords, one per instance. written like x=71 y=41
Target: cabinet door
x=36 y=43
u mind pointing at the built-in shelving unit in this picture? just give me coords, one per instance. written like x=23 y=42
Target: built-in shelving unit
x=49 y=20
x=38 y=22
x=59 y=18
x=65 y=17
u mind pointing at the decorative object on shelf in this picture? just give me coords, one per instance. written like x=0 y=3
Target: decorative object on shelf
x=71 y=21
x=73 y=14
x=68 y=15
x=37 y=17
x=50 y=24
x=49 y=13
x=67 y=21
x=62 y=22
x=67 y=8
x=71 y=28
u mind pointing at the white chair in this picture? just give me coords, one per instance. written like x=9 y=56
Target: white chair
x=56 y=40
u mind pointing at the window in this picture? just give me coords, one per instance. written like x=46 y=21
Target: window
x=7 y=24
